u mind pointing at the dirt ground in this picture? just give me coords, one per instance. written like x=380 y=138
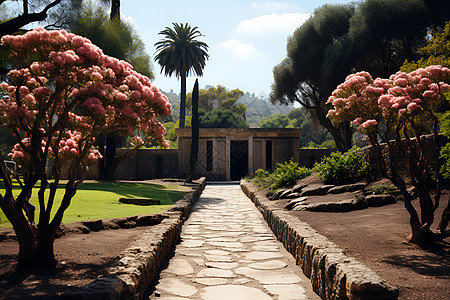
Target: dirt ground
x=81 y=257
x=377 y=237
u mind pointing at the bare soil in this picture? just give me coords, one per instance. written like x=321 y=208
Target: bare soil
x=377 y=237
x=81 y=258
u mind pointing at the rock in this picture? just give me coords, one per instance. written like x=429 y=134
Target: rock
x=284 y=194
x=292 y=195
x=77 y=227
x=140 y=201
x=347 y=188
x=127 y=222
x=149 y=220
x=108 y=224
x=379 y=200
x=292 y=203
x=339 y=206
x=94 y=225
x=298 y=187
x=276 y=195
x=315 y=189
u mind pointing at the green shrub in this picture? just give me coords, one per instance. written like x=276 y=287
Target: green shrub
x=338 y=167
x=445 y=158
x=285 y=174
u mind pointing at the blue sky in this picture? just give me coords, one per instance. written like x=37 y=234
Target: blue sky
x=246 y=38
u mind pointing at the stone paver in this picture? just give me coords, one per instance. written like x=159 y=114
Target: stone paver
x=228 y=252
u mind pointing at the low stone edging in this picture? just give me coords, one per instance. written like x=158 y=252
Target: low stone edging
x=333 y=275
x=139 y=264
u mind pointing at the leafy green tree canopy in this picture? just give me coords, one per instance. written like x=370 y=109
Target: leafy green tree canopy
x=115 y=37
x=222 y=119
x=276 y=121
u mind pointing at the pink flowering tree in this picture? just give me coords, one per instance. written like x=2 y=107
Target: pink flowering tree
x=402 y=103
x=67 y=93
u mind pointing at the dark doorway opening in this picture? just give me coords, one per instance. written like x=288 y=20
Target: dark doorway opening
x=268 y=155
x=238 y=159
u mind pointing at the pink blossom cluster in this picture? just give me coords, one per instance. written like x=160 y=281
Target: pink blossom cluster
x=70 y=74
x=136 y=142
x=69 y=146
x=356 y=99
x=362 y=100
x=72 y=145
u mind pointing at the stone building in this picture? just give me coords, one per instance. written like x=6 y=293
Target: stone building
x=232 y=153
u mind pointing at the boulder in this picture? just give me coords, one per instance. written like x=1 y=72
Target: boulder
x=339 y=206
x=379 y=200
x=290 y=195
x=276 y=195
x=149 y=220
x=127 y=222
x=140 y=201
x=292 y=203
x=94 y=225
x=347 y=188
x=315 y=189
x=298 y=187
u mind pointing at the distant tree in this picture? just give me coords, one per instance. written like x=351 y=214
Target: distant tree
x=180 y=53
x=215 y=96
x=276 y=121
x=303 y=76
x=222 y=119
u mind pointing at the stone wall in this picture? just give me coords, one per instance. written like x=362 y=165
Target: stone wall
x=333 y=275
x=139 y=265
x=400 y=159
x=148 y=164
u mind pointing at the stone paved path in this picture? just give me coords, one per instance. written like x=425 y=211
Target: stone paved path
x=228 y=252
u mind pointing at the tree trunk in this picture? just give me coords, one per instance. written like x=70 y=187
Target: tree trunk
x=115 y=9
x=195 y=133
x=445 y=219
x=45 y=251
x=183 y=99
x=27 y=245
x=110 y=153
x=343 y=141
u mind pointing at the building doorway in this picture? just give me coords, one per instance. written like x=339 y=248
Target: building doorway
x=238 y=159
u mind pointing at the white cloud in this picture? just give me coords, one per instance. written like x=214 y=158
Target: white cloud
x=239 y=50
x=271 y=6
x=271 y=23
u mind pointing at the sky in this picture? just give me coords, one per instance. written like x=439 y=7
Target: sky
x=246 y=38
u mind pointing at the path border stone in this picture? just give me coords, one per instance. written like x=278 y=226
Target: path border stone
x=139 y=265
x=333 y=275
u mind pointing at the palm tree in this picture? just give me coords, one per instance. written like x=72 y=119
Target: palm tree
x=181 y=53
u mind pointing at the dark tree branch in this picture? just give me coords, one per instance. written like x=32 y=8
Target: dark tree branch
x=11 y=26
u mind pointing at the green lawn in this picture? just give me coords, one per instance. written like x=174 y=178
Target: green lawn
x=100 y=200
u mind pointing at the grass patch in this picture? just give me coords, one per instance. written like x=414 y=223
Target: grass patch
x=100 y=200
